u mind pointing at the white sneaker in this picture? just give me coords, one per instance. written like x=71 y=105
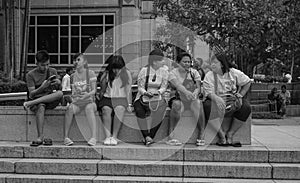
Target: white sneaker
x=113 y=141
x=107 y=141
x=68 y=142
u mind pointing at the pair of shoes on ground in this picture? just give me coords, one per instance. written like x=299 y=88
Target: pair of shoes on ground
x=69 y=142
x=110 y=141
x=45 y=142
x=173 y=142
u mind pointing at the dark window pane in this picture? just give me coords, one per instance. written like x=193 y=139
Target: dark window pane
x=31 y=45
x=109 y=19
x=47 y=39
x=91 y=19
x=75 y=20
x=64 y=20
x=64 y=45
x=31 y=59
x=75 y=31
x=64 y=31
x=106 y=57
x=53 y=59
x=64 y=59
x=91 y=31
x=32 y=20
x=95 y=59
x=85 y=42
x=75 y=45
x=109 y=40
x=47 y=20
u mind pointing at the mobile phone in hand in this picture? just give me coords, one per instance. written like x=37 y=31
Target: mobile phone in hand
x=51 y=78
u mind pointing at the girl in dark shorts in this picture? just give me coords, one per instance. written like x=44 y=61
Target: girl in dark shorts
x=115 y=97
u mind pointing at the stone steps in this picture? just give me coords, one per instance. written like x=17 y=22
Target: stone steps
x=137 y=163
x=25 y=178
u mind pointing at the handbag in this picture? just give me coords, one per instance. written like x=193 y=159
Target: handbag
x=152 y=102
x=232 y=101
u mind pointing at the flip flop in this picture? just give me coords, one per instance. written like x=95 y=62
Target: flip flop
x=47 y=142
x=36 y=143
x=174 y=142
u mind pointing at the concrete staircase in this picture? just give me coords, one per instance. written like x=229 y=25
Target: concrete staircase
x=136 y=163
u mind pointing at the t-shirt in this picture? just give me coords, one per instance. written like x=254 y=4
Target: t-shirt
x=79 y=85
x=226 y=83
x=175 y=74
x=115 y=91
x=66 y=85
x=285 y=96
x=35 y=78
x=158 y=80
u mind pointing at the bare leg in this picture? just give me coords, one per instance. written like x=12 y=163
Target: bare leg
x=40 y=119
x=216 y=125
x=106 y=118
x=90 y=110
x=44 y=99
x=175 y=116
x=199 y=117
x=71 y=110
x=235 y=126
x=119 y=116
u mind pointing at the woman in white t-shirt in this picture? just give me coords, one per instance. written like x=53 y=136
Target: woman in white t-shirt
x=152 y=83
x=116 y=87
x=187 y=82
x=83 y=93
x=229 y=80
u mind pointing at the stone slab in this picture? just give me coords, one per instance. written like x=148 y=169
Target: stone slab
x=67 y=152
x=159 y=152
x=284 y=155
x=228 y=170
x=13 y=127
x=11 y=151
x=141 y=168
x=205 y=180
x=229 y=154
x=57 y=166
x=125 y=179
x=7 y=165
x=286 y=171
x=27 y=178
x=3 y=177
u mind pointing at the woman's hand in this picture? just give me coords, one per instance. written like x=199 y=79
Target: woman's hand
x=148 y=94
x=130 y=108
x=189 y=95
x=220 y=103
x=195 y=94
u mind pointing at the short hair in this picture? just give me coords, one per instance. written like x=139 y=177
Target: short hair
x=76 y=55
x=180 y=56
x=68 y=70
x=155 y=55
x=42 y=56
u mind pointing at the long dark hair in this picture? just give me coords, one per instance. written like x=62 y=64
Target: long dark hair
x=117 y=62
x=221 y=55
x=155 y=55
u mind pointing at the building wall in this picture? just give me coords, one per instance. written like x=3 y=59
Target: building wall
x=2 y=36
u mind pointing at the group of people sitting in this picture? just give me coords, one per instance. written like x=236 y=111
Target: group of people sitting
x=221 y=91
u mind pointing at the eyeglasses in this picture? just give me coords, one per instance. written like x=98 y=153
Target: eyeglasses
x=154 y=78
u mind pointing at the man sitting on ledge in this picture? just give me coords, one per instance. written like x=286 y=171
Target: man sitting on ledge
x=43 y=93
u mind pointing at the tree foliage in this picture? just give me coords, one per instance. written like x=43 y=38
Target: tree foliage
x=252 y=30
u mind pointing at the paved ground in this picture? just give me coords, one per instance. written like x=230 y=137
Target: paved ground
x=277 y=133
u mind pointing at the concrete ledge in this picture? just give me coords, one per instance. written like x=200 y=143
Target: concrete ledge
x=19 y=125
x=27 y=178
x=7 y=165
x=286 y=171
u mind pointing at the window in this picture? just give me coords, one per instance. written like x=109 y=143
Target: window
x=64 y=35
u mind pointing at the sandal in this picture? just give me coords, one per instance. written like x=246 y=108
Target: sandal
x=36 y=143
x=148 y=141
x=68 y=142
x=236 y=144
x=174 y=142
x=47 y=142
x=200 y=142
x=222 y=142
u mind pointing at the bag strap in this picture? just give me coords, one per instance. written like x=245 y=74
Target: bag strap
x=216 y=84
x=147 y=77
x=87 y=77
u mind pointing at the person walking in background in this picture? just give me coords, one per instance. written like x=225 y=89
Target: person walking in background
x=224 y=80
x=83 y=92
x=152 y=83
x=44 y=92
x=115 y=97
x=285 y=96
x=187 y=82
x=274 y=101
x=66 y=87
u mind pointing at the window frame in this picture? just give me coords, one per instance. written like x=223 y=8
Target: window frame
x=69 y=26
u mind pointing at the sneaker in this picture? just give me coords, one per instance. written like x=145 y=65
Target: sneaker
x=68 y=142
x=107 y=141
x=174 y=142
x=92 y=142
x=200 y=142
x=113 y=141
